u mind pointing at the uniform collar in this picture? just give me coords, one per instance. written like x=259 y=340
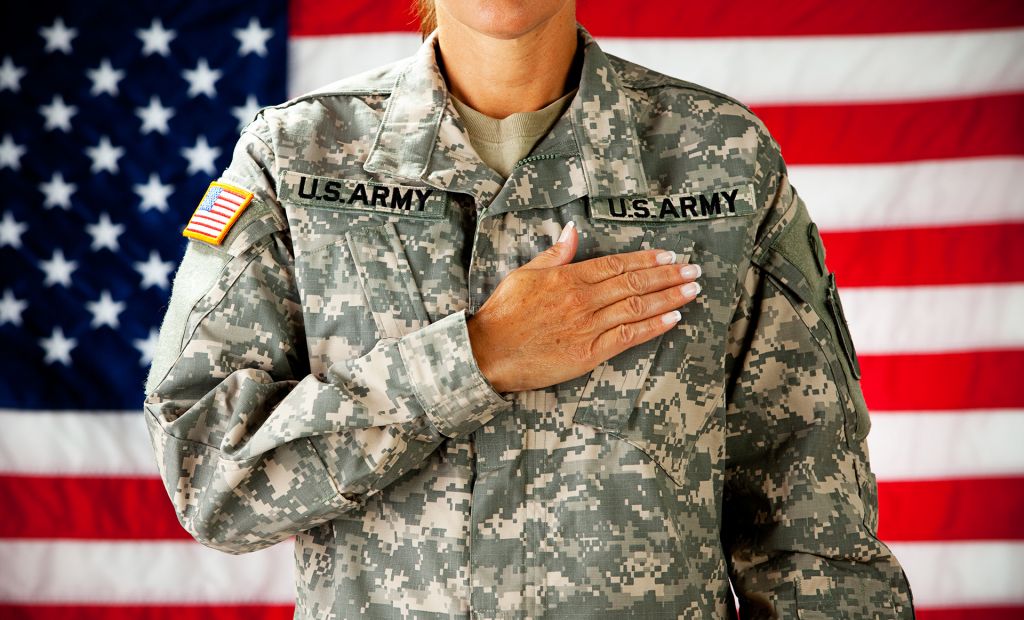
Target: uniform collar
x=418 y=137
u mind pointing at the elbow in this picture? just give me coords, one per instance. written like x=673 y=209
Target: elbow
x=213 y=533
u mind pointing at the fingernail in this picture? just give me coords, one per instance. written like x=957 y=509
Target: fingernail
x=690 y=271
x=565 y=231
x=666 y=257
x=690 y=290
x=671 y=317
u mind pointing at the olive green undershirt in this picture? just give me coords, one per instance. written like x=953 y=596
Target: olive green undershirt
x=501 y=142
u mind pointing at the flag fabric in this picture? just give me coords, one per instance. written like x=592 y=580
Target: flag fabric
x=902 y=124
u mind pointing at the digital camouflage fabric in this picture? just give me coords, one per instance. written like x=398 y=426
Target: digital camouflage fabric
x=315 y=376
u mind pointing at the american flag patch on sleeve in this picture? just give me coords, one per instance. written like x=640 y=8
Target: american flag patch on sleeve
x=217 y=212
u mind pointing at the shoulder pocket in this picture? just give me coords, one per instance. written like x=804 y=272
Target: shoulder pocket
x=795 y=260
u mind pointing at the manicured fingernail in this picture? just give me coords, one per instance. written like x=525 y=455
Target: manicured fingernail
x=690 y=271
x=690 y=290
x=666 y=257
x=565 y=231
x=671 y=317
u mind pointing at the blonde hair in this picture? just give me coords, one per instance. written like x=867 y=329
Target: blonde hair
x=428 y=17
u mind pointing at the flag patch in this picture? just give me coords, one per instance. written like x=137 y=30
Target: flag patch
x=217 y=212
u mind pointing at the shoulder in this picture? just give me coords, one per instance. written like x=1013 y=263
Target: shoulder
x=657 y=95
x=367 y=89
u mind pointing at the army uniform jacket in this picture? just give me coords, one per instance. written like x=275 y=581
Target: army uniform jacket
x=315 y=378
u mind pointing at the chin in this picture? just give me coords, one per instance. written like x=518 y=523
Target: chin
x=504 y=19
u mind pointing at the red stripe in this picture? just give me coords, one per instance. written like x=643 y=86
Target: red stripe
x=220 y=211
x=67 y=507
x=973 y=509
x=280 y=612
x=230 y=197
x=988 y=253
x=972 y=613
x=744 y=18
x=148 y=612
x=854 y=133
x=202 y=221
x=970 y=380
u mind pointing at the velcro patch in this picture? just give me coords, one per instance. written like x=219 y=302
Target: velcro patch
x=326 y=193
x=676 y=208
x=217 y=212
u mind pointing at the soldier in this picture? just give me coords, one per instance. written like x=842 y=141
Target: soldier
x=373 y=346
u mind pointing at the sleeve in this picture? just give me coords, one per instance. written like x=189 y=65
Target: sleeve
x=800 y=502
x=251 y=447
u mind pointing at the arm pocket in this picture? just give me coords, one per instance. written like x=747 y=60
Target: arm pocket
x=795 y=259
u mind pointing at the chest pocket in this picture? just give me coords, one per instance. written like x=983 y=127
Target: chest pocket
x=386 y=278
x=660 y=412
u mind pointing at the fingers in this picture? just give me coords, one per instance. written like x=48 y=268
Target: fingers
x=641 y=282
x=682 y=290
x=599 y=269
x=624 y=336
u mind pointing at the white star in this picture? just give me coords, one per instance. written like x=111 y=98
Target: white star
x=58 y=269
x=154 y=116
x=11 y=231
x=252 y=39
x=105 y=311
x=156 y=39
x=11 y=308
x=104 y=156
x=201 y=157
x=105 y=78
x=201 y=80
x=10 y=153
x=153 y=193
x=58 y=114
x=58 y=192
x=147 y=347
x=57 y=347
x=105 y=233
x=154 y=271
x=10 y=75
x=58 y=36
x=246 y=112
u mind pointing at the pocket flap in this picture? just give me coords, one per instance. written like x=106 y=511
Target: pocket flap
x=612 y=388
x=386 y=277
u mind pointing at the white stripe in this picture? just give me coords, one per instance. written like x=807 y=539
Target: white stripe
x=948 y=444
x=143 y=572
x=948 y=574
x=205 y=229
x=932 y=319
x=82 y=443
x=963 y=574
x=211 y=219
x=225 y=206
x=230 y=197
x=904 y=445
x=215 y=216
x=927 y=193
x=753 y=70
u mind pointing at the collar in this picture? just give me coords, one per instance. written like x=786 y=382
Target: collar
x=421 y=138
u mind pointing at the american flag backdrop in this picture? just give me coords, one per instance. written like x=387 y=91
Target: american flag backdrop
x=903 y=126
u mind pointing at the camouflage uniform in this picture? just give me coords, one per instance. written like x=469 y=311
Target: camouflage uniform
x=315 y=376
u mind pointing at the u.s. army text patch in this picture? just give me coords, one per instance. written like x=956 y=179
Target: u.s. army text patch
x=676 y=208
x=327 y=193
x=217 y=212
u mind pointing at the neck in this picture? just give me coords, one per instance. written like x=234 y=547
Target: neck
x=501 y=76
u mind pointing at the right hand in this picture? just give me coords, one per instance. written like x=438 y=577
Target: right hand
x=552 y=320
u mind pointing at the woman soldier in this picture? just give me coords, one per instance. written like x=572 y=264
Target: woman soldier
x=373 y=346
